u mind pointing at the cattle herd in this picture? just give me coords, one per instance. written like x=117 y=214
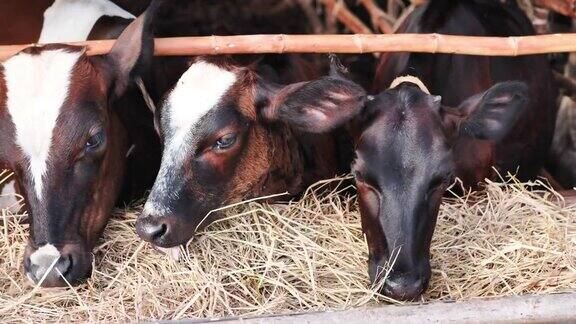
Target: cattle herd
x=81 y=139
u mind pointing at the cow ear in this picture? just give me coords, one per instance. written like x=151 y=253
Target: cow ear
x=317 y=106
x=133 y=51
x=489 y=115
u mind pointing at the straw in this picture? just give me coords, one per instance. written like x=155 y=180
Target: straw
x=306 y=255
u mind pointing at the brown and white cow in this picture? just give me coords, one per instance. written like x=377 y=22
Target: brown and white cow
x=48 y=21
x=223 y=142
x=177 y=18
x=62 y=135
x=58 y=21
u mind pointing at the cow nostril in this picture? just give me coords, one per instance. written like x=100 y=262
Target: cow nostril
x=64 y=265
x=159 y=231
x=151 y=232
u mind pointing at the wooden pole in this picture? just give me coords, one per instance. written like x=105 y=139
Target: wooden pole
x=338 y=9
x=380 y=20
x=565 y=7
x=359 y=43
x=553 y=308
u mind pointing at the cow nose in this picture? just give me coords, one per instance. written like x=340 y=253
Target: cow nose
x=47 y=265
x=404 y=287
x=151 y=229
x=69 y=264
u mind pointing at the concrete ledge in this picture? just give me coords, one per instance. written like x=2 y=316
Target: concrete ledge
x=553 y=308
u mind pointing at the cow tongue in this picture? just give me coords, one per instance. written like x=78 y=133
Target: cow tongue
x=173 y=252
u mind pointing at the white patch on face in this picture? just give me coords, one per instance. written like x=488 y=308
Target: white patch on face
x=8 y=198
x=42 y=259
x=72 y=20
x=37 y=86
x=198 y=91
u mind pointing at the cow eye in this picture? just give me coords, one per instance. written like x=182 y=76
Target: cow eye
x=435 y=184
x=95 y=141
x=225 y=142
x=358 y=176
x=441 y=181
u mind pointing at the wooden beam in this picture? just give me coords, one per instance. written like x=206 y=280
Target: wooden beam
x=516 y=309
x=338 y=9
x=565 y=7
x=380 y=19
x=359 y=43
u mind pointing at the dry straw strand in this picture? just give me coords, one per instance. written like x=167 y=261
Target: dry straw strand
x=304 y=255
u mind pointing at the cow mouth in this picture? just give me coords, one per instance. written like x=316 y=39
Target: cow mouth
x=174 y=253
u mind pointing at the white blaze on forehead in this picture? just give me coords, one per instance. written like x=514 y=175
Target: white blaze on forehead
x=198 y=91
x=37 y=86
x=72 y=20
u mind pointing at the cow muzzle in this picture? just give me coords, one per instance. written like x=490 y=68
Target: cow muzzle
x=163 y=231
x=402 y=282
x=53 y=266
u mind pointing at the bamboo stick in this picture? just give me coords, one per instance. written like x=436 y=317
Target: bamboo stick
x=359 y=43
x=565 y=7
x=338 y=9
x=380 y=19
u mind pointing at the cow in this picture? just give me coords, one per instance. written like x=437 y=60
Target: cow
x=70 y=207
x=454 y=116
x=63 y=136
x=562 y=160
x=223 y=143
x=48 y=21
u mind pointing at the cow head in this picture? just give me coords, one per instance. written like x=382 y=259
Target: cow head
x=224 y=141
x=404 y=161
x=61 y=136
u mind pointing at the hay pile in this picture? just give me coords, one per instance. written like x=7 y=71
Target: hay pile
x=308 y=255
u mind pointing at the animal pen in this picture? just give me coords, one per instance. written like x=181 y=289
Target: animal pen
x=506 y=241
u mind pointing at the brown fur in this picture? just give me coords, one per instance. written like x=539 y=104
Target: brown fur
x=21 y=21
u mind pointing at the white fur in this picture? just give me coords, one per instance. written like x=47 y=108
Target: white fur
x=37 y=86
x=44 y=257
x=47 y=251
x=198 y=91
x=72 y=20
x=8 y=198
